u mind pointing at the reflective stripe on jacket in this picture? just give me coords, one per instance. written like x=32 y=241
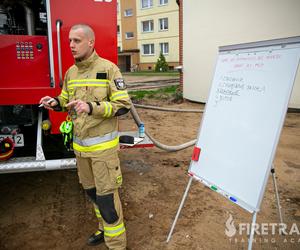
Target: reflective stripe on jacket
x=96 y=143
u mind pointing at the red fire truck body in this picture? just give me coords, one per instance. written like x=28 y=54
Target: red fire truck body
x=35 y=54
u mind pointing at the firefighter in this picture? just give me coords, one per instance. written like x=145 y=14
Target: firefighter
x=94 y=93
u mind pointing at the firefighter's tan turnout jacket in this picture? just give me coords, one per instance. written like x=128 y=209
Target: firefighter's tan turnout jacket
x=98 y=82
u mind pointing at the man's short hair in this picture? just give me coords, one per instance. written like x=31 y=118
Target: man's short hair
x=88 y=31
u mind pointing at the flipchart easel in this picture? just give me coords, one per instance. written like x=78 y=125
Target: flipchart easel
x=254 y=214
x=262 y=74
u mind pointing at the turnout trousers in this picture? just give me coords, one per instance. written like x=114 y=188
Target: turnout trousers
x=101 y=177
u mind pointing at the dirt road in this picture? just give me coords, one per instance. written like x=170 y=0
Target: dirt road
x=149 y=82
x=49 y=210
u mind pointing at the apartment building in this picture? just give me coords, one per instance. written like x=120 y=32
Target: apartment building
x=128 y=52
x=146 y=28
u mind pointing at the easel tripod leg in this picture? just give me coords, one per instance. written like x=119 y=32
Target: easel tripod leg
x=180 y=207
x=252 y=231
x=276 y=193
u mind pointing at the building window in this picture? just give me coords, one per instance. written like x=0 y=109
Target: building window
x=163 y=2
x=146 y=4
x=128 y=12
x=164 y=48
x=129 y=35
x=118 y=30
x=118 y=7
x=148 y=49
x=147 y=26
x=163 y=24
x=119 y=49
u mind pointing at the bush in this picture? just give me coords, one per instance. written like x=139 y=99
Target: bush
x=161 y=65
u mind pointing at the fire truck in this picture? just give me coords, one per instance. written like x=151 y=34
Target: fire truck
x=35 y=53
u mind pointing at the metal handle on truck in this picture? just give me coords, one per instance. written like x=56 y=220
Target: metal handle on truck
x=58 y=26
x=51 y=60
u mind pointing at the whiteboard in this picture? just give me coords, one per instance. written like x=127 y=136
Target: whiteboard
x=243 y=118
x=253 y=20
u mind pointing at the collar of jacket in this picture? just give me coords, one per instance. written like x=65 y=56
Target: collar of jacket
x=87 y=62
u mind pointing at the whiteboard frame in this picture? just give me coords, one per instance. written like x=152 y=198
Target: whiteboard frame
x=265 y=43
x=284 y=42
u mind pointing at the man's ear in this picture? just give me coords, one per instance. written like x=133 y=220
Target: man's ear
x=91 y=43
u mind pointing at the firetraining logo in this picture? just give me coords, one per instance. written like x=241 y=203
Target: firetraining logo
x=230 y=228
x=263 y=232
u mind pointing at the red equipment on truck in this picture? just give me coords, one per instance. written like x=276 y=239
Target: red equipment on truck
x=35 y=53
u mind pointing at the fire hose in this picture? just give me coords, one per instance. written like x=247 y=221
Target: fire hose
x=155 y=142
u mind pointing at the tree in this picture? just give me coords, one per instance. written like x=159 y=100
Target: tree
x=161 y=64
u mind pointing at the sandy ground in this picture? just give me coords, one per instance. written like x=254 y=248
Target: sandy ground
x=49 y=210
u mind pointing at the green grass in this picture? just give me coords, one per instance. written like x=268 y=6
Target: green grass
x=151 y=73
x=162 y=93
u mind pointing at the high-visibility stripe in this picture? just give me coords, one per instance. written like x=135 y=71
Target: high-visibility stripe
x=64 y=98
x=64 y=95
x=111 y=109
x=118 y=92
x=98 y=232
x=97 y=147
x=88 y=82
x=95 y=140
x=104 y=85
x=105 y=109
x=114 y=231
x=108 y=109
x=119 y=95
x=97 y=212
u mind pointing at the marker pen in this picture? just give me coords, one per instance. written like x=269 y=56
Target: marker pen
x=51 y=100
x=233 y=199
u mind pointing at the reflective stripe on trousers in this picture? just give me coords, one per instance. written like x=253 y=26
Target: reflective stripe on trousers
x=114 y=231
x=97 y=212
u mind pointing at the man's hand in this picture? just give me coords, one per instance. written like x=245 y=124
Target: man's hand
x=79 y=106
x=48 y=102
